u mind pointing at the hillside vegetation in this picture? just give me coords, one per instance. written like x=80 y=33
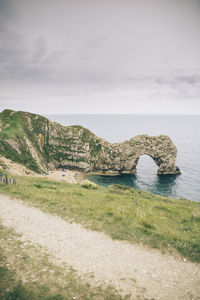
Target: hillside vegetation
x=39 y=144
x=172 y=225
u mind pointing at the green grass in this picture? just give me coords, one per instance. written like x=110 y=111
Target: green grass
x=15 y=128
x=14 y=123
x=27 y=273
x=172 y=225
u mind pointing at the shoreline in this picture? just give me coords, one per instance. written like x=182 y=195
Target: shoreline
x=67 y=176
x=16 y=169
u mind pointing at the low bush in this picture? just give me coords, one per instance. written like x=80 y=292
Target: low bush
x=88 y=184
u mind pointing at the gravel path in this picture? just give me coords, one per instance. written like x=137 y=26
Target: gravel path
x=133 y=269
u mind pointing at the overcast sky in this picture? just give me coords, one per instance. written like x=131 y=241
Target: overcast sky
x=100 y=56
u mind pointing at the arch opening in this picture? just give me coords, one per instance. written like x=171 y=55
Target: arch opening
x=146 y=169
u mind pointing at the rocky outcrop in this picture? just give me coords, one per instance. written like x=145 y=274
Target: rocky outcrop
x=160 y=148
x=43 y=145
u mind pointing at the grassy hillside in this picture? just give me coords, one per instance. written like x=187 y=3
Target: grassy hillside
x=172 y=225
x=15 y=130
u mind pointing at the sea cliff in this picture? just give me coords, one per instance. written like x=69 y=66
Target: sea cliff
x=42 y=145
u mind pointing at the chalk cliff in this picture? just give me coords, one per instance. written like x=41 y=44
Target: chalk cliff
x=43 y=145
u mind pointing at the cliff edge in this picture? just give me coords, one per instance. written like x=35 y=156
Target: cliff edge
x=42 y=145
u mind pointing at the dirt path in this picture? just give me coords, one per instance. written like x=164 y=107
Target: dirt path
x=133 y=269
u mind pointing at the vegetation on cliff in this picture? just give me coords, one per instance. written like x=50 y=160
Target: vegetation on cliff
x=13 y=130
x=41 y=145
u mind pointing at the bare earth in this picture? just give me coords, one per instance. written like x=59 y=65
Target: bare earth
x=18 y=169
x=14 y=168
x=68 y=176
x=133 y=269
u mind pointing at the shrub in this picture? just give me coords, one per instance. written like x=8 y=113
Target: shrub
x=88 y=184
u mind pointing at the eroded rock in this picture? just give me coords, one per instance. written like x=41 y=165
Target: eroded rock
x=75 y=147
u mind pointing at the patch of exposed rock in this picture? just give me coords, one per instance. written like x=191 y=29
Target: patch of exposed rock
x=75 y=147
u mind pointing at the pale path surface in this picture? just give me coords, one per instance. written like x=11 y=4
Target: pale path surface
x=133 y=268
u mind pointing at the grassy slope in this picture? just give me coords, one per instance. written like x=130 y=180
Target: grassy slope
x=16 y=128
x=121 y=212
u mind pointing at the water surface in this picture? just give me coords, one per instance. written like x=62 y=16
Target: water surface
x=184 y=132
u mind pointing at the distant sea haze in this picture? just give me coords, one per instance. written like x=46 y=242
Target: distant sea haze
x=182 y=129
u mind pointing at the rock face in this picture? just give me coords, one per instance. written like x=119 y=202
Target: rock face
x=43 y=145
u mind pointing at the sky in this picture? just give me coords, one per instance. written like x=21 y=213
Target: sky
x=100 y=57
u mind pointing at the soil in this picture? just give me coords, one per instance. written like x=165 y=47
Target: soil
x=18 y=169
x=67 y=175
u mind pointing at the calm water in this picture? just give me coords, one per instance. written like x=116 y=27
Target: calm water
x=184 y=132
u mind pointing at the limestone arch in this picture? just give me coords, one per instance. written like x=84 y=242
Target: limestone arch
x=161 y=149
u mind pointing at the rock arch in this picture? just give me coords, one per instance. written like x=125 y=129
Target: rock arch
x=124 y=157
x=162 y=150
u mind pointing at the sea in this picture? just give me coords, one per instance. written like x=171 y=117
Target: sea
x=184 y=131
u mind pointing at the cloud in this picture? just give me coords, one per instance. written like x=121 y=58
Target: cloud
x=130 y=51
x=40 y=50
